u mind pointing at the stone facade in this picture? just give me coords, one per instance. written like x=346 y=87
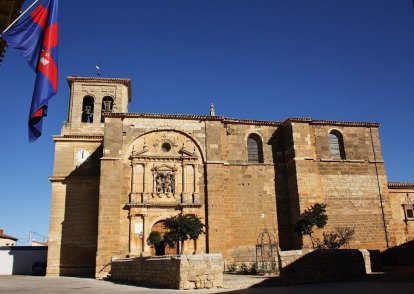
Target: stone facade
x=118 y=175
x=401 y=201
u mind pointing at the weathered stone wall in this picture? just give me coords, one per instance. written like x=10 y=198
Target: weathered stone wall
x=402 y=229
x=241 y=195
x=74 y=208
x=352 y=187
x=302 y=173
x=110 y=207
x=355 y=188
x=323 y=266
x=76 y=180
x=180 y=272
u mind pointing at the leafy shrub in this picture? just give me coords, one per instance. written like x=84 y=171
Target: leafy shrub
x=244 y=268
x=336 y=239
x=311 y=217
x=232 y=268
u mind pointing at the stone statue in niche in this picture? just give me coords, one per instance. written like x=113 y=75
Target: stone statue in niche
x=164 y=183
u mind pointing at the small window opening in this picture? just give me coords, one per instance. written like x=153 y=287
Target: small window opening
x=166 y=147
x=107 y=105
x=409 y=212
x=87 y=109
x=254 y=149
x=336 y=145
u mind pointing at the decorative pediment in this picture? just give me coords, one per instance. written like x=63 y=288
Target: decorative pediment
x=164 y=167
x=138 y=153
x=184 y=152
x=408 y=199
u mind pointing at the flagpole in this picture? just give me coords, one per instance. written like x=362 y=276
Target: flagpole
x=19 y=17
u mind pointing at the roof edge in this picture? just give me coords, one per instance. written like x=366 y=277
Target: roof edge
x=190 y=117
x=400 y=185
x=332 y=122
x=123 y=81
x=4 y=236
x=240 y=121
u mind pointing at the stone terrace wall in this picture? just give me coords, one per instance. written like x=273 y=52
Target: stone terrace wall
x=324 y=266
x=178 y=272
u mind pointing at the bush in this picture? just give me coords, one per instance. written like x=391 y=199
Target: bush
x=336 y=239
x=244 y=268
x=254 y=268
x=314 y=216
x=154 y=238
x=232 y=268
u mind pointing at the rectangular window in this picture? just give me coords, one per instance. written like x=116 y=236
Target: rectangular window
x=408 y=212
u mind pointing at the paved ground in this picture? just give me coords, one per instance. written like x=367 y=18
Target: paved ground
x=395 y=280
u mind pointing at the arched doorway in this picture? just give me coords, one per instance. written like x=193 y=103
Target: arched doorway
x=159 y=227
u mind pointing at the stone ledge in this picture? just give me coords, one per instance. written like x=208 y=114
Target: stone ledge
x=198 y=271
x=342 y=160
x=319 y=266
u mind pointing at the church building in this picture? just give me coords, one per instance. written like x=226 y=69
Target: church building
x=118 y=174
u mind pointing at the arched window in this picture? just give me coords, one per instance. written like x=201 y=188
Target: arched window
x=87 y=109
x=336 y=145
x=254 y=149
x=107 y=104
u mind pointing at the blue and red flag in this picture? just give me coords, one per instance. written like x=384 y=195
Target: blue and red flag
x=36 y=39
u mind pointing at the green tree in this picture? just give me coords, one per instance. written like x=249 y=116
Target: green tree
x=315 y=216
x=154 y=240
x=181 y=228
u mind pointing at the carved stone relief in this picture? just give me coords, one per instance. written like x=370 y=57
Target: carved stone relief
x=164 y=183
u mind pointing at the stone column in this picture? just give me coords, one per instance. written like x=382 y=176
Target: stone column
x=133 y=185
x=175 y=184
x=131 y=234
x=145 y=234
x=144 y=183
x=184 y=189
x=144 y=188
x=136 y=238
x=196 y=188
x=154 y=184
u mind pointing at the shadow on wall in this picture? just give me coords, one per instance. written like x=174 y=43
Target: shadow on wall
x=399 y=255
x=20 y=259
x=80 y=225
x=320 y=266
x=287 y=203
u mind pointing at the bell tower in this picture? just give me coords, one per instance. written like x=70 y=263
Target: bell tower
x=76 y=173
x=90 y=98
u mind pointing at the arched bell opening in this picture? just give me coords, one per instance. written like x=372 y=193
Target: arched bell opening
x=107 y=106
x=87 y=109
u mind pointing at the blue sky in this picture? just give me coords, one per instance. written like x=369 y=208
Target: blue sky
x=259 y=59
